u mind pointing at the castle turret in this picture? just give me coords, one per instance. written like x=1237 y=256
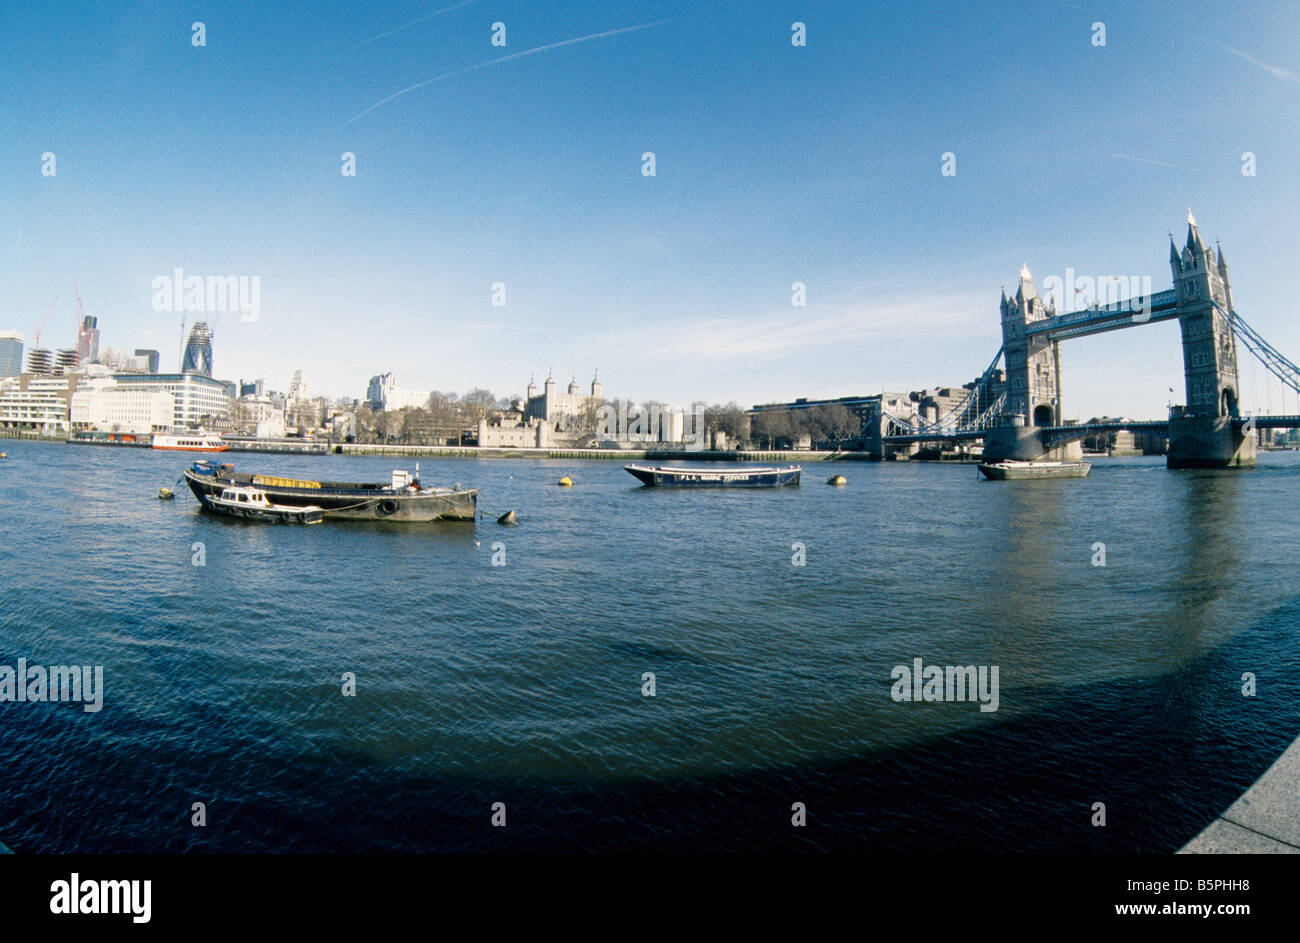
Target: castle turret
x=596 y=391
x=1194 y=235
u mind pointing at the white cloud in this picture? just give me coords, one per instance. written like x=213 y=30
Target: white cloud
x=922 y=319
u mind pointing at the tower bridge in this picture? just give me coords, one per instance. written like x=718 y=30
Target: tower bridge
x=1017 y=411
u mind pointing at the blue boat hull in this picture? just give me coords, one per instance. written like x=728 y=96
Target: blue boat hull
x=662 y=476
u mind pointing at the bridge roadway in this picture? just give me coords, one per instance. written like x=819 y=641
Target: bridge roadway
x=1059 y=434
x=1053 y=433
x=1162 y=306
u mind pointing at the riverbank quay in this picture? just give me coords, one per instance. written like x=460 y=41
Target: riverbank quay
x=270 y=446
x=25 y=434
x=310 y=447
x=280 y=446
x=658 y=455
x=1265 y=820
x=662 y=455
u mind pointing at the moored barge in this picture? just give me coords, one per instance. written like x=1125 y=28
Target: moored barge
x=404 y=499
x=664 y=475
x=1023 y=471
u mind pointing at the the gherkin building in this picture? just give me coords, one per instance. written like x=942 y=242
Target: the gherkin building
x=198 y=351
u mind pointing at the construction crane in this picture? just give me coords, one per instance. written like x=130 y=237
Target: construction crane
x=45 y=320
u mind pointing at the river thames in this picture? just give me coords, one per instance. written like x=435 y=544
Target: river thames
x=771 y=622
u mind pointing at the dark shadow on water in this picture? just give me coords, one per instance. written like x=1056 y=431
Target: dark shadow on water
x=1165 y=755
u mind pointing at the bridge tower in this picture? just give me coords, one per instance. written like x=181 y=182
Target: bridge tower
x=1033 y=364
x=1033 y=378
x=1202 y=433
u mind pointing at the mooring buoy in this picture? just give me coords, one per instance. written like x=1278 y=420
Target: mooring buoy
x=565 y=482
x=165 y=494
x=508 y=518
x=838 y=480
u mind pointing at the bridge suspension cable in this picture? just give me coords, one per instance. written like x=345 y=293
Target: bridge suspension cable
x=967 y=414
x=1266 y=353
x=990 y=415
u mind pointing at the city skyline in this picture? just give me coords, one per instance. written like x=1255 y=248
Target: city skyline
x=480 y=166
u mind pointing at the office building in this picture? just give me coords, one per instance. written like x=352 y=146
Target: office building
x=101 y=404
x=150 y=357
x=197 y=358
x=11 y=353
x=88 y=340
x=197 y=400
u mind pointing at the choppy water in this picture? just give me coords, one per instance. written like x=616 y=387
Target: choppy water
x=522 y=683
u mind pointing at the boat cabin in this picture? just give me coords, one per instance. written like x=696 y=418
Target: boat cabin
x=240 y=496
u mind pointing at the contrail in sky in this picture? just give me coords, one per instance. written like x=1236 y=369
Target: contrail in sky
x=517 y=55
x=429 y=16
x=1147 y=160
x=1277 y=72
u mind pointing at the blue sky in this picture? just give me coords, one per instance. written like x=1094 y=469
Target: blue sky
x=775 y=164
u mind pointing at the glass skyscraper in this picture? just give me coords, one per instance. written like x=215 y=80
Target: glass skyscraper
x=11 y=353
x=198 y=351
x=88 y=340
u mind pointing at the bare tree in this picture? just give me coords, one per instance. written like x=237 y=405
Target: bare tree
x=476 y=404
x=730 y=419
x=772 y=425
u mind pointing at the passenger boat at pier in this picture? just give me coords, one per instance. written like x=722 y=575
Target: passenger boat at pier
x=189 y=442
x=664 y=475
x=403 y=499
x=1018 y=471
